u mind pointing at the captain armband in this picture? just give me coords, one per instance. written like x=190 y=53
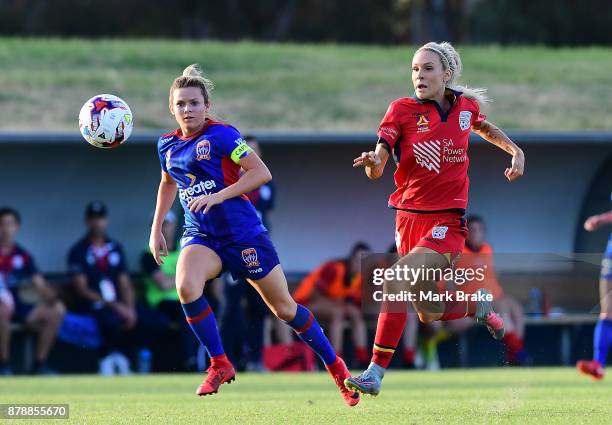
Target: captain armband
x=239 y=151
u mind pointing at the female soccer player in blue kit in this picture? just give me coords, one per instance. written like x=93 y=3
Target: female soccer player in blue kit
x=201 y=160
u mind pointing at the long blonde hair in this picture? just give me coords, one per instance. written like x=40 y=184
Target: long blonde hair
x=193 y=77
x=452 y=61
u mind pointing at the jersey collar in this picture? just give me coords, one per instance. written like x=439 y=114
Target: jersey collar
x=452 y=96
x=207 y=123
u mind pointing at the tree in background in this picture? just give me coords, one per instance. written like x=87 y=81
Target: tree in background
x=343 y=21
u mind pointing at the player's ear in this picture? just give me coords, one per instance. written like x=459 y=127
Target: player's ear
x=447 y=75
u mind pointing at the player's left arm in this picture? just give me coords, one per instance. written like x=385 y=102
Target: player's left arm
x=255 y=174
x=125 y=308
x=494 y=135
x=126 y=290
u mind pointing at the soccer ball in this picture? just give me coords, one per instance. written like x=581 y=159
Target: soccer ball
x=105 y=121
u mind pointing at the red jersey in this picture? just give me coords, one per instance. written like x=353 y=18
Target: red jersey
x=430 y=149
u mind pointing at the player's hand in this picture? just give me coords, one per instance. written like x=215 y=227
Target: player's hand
x=205 y=202
x=592 y=223
x=127 y=313
x=517 y=168
x=158 y=247
x=367 y=159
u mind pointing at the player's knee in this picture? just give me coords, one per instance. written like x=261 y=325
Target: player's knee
x=336 y=315
x=188 y=289
x=5 y=312
x=606 y=315
x=58 y=311
x=284 y=310
x=426 y=318
x=354 y=314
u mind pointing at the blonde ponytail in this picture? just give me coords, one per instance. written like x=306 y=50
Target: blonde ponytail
x=452 y=61
x=193 y=77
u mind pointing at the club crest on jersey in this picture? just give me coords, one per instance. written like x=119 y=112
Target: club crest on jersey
x=422 y=124
x=249 y=256
x=203 y=150
x=439 y=232
x=465 y=119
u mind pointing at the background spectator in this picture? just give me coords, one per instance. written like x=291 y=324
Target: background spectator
x=333 y=293
x=17 y=268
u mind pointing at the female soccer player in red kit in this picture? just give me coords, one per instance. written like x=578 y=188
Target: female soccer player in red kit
x=428 y=137
x=201 y=161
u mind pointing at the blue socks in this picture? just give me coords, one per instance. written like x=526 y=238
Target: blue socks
x=309 y=331
x=602 y=339
x=202 y=321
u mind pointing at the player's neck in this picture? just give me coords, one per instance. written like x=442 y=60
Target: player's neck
x=188 y=132
x=442 y=100
x=97 y=239
x=6 y=246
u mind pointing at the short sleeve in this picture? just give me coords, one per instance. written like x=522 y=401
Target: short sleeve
x=477 y=117
x=122 y=265
x=76 y=261
x=233 y=145
x=161 y=155
x=30 y=267
x=389 y=128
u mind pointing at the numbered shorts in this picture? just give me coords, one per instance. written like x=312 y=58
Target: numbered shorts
x=252 y=258
x=444 y=232
x=606 y=263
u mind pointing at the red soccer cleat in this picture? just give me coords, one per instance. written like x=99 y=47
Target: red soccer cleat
x=216 y=376
x=339 y=372
x=591 y=367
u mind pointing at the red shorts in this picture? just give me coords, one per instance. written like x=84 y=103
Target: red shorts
x=443 y=232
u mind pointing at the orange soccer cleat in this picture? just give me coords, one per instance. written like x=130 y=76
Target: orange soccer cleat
x=216 y=376
x=339 y=372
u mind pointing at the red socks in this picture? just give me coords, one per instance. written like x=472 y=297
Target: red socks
x=514 y=345
x=388 y=333
x=220 y=361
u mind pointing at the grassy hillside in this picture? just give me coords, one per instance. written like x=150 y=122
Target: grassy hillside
x=43 y=83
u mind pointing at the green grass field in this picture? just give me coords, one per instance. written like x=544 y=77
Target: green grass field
x=292 y=87
x=484 y=396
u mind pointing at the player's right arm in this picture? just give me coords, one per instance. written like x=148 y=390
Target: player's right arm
x=165 y=198
x=389 y=132
x=374 y=161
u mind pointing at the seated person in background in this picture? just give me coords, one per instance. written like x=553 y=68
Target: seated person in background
x=333 y=293
x=103 y=288
x=161 y=294
x=478 y=253
x=17 y=268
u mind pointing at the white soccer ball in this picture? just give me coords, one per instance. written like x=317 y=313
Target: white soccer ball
x=105 y=121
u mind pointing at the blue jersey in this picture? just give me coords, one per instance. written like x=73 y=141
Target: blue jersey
x=102 y=267
x=206 y=163
x=16 y=268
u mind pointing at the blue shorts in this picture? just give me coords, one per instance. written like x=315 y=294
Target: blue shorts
x=606 y=264
x=22 y=311
x=253 y=258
